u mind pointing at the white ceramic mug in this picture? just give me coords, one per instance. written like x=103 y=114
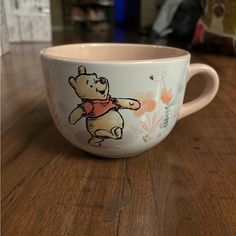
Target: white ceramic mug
x=118 y=100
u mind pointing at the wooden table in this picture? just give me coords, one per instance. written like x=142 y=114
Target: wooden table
x=184 y=186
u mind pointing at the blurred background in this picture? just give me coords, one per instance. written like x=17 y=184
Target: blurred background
x=189 y=24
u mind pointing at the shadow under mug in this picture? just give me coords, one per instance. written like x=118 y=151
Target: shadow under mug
x=118 y=100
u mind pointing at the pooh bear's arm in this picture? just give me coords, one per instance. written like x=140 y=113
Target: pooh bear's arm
x=76 y=115
x=128 y=103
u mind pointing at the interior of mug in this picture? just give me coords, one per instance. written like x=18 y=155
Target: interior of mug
x=113 y=52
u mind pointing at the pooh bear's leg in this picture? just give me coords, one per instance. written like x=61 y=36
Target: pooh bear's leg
x=95 y=141
x=115 y=133
x=109 y=125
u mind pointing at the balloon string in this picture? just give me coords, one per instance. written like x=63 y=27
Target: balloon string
x=163 y=77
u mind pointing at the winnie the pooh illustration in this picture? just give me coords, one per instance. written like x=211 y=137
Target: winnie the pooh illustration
x=103 y=119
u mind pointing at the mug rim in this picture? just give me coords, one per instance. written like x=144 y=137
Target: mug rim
x=184 y=55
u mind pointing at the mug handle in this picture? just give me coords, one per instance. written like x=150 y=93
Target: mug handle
x=212 y=85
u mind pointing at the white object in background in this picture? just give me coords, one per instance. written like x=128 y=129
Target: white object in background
x=35 y=28
x=26 y=26
x=4 y=34
x=42 y=28
x=167 y=12
x=29 y=20
x=13 y=24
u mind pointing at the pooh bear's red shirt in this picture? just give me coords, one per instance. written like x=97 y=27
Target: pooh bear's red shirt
x=96 y=108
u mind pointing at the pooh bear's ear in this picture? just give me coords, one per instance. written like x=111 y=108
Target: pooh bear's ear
x=82 y=70
x=72 y=82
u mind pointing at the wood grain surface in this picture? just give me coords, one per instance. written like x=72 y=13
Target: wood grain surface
x=184 y=186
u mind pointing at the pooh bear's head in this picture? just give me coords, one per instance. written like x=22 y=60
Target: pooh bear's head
x=89 y=86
